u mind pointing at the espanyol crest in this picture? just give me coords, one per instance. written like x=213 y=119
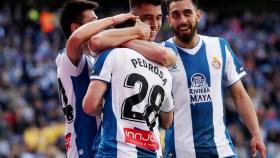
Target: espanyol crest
x=216 y=63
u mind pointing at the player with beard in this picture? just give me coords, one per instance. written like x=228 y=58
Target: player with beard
x=205 y=66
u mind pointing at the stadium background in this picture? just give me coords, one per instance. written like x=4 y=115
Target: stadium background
x=31 y=119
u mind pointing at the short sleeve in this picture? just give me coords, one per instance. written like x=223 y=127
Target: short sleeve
x=103 y=67
x=233 y=70
x=168 y=103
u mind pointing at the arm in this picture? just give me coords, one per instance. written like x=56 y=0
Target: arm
x=83 y=34
x=153 y=51
x=114 y=37
x=92 y=102
x=246 y=110
x=166 y=119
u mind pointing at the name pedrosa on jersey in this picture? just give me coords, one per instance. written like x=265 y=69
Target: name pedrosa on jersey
x=152 y=68
x=199 y=91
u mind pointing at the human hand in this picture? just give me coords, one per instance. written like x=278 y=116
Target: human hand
x=258 y=144
x=144 y=29
x=120 y=18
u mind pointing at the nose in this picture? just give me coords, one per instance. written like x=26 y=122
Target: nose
x=154 y=24
x=183 y=19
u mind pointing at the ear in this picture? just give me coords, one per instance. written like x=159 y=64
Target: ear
x=198 y=15
x=74 y=26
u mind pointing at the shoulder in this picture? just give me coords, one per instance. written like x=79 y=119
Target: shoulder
x=212 y=41
x=207 y=39
x=65 y=66
x=60 y=56
x=167 y=42
x=117 y=52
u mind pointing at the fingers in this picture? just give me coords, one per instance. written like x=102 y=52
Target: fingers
x=262 y=150
x=123 y=17
x=253 y=149
x=137 y=21
x=131 y=16
x=257 y=144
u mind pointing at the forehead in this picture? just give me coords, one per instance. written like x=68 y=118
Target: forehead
x=147 y=9
x=181 y=5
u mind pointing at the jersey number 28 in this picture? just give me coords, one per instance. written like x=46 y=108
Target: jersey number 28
x=155 y=100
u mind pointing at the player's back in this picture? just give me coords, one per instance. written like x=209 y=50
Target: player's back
x=80 y=128
x=137 y=90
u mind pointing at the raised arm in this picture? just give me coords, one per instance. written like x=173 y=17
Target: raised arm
x=246 y=110
x=92 y=102
x=153 y=51
x=114 y=37
x=83 y=34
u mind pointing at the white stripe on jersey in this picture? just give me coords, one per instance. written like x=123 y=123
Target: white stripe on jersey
x=221 y=141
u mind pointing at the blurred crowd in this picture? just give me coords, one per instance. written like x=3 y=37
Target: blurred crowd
x=31 y=119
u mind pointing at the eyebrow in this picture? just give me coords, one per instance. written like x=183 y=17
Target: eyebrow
x=185 y=10
x=145 y=15
x=188 y=10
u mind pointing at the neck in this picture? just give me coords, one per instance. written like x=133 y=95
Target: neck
x=188 y=45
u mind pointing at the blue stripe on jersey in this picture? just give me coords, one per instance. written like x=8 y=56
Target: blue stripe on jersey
x=228 y=138
x=100 y=61
x=171 y=45
x=223 y=49
x=84 y=125
x=202 y=112
x=108 y=144
x=169 y=142
x=237 y=64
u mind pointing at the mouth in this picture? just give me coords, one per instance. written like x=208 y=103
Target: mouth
x=183 y=28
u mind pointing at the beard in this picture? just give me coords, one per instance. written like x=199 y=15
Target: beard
x=186 y=38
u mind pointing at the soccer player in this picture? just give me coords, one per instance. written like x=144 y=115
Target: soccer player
x=79 y=23
x=136 y=92
x=204 y=65
x=149 y=11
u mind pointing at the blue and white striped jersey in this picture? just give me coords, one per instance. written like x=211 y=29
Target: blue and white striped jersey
x=137 y=90
x=80 y=128
x=198 y=128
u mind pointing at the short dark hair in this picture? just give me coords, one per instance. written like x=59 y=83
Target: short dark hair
x=127 y=23
x=167 y=3
x=134 y=3
x=71 y=12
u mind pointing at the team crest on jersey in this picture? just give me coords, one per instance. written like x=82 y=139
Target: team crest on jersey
x=199 y=91
x=216 y=63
